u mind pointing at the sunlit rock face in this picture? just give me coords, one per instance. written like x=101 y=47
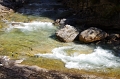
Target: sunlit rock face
x=67 y=34
x=92 y=34
x=4 y=10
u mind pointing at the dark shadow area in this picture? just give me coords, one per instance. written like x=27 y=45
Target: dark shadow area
x=52 y=9
x=13 y=4
x=45 y=8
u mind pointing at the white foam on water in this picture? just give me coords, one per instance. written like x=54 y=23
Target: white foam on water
x=98 y=59
x=32 y=26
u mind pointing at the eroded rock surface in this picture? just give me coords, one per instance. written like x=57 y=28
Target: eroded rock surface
x=92 y=34
x=67 y=34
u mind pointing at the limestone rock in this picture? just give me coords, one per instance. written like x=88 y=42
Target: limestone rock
x=67 y=34
x=92 y=34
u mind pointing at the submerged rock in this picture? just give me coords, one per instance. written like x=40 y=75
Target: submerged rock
x=92 y=34
x=67 y=34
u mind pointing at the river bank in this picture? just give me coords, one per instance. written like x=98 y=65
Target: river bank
x=13 y=70
x=34 y=72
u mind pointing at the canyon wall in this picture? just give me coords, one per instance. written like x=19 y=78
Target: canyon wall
x=101 y=13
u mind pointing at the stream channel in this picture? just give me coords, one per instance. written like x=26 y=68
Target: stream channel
x=35 y=42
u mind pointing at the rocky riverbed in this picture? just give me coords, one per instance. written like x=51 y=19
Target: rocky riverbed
x=34 y=72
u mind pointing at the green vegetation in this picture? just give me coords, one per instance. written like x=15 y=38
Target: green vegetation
x=45 y=63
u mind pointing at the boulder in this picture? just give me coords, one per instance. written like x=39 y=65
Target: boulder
x=67 y=34
x=92 y=34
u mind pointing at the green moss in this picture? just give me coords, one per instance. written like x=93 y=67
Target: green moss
x=0 y=26
x=47 y=63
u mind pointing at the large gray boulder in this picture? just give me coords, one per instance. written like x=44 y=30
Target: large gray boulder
x=92 y=34
x=67 y=34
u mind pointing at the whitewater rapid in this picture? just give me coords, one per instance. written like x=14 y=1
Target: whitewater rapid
x=33 y=26
x=98 y=59
x=73 y=55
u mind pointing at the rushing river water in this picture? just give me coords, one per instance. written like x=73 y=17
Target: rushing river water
x=35 y=42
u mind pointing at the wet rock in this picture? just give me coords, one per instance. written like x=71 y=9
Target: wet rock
x=57 y=22
x=60 y=22
x=92 y=34
x=67 y=34
x=113 y=39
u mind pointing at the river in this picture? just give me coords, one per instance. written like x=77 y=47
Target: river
x=35 y=42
